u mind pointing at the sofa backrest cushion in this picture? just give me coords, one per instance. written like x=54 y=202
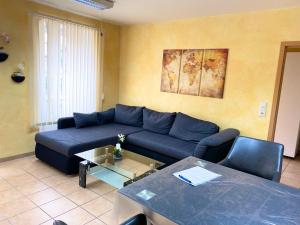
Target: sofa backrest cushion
x=158 y=122
x=191 y=129
x=85 y=120
x=129 y=115
x=106 y=117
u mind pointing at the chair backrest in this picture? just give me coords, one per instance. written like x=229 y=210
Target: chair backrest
x=59 y=222
x=257 y=157
x=139 y=219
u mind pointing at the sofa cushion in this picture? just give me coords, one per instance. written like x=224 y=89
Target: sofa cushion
x=106 y=117
x=163 y=144
x=158 y=122
x=191 y=129
x=70 y=141
x=129 y=115
x=85 y=120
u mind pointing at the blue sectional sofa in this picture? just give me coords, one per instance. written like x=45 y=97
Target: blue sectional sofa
x=168 y=137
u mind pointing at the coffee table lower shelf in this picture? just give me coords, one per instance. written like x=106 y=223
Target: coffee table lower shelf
x=108 y=176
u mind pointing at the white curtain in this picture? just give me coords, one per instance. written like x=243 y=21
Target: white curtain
x=66 y=69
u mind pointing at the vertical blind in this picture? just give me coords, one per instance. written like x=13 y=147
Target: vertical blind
x=65 y=69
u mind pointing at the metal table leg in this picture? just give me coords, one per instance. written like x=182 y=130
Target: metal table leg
x=84 y=166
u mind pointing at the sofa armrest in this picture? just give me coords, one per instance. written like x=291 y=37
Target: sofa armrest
x=65 y=122
x=214 y=141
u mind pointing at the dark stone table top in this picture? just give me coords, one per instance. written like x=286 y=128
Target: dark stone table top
x=235 y=198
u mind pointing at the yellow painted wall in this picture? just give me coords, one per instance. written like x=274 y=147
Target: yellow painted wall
x=15 y=135
x=253 y=39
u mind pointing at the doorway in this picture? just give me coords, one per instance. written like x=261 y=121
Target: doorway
x=285 y=114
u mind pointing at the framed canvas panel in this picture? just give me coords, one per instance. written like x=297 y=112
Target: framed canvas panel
x=170 y=70
x=213 y=72
x=190 y=71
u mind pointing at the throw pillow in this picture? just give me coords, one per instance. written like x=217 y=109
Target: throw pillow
x=85 y=120
x=106 y=116
x=129 y=115
x=158 y=122
x=191 y=129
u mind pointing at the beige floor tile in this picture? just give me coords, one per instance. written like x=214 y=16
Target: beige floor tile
x=9 y=195
x=49 y=222
x=36 y=165
x=89 y=179
x=110 y=196
x=76 y=216
x=287 y=159
x=20 y=180
x=67 y=187
x=290 y=182
x=292 y=168
x=44 y=173
x=9 y=164
x=54 y=180
x=82 y=196
x=6 y=172
x=107 y=218
x=94 y=222
x=290 y=175
x=32 y=217
x=98 y=206
x=5 y=222
x=4 y=185
x=58 y=207
x=75 y=179
x=44 y=196
x=285 y=164
x=15 y=207
x=21 y=163
x=100 y=187
x=294 y=163
x=32 y=187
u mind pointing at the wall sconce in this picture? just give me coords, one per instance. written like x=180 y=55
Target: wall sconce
x=18 y=75
x=6 y=40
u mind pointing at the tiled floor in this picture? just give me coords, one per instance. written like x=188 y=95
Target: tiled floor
x=33 y=193
x=291 y=172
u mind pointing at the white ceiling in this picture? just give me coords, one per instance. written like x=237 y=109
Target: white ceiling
x=147 y=11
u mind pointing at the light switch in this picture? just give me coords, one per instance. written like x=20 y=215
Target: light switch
x=262 y=109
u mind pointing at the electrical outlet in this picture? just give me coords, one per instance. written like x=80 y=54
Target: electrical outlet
x=262 y=112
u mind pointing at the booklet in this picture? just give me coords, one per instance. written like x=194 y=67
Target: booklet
x=196 y=175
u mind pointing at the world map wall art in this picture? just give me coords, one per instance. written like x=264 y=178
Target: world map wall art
x=199 y=72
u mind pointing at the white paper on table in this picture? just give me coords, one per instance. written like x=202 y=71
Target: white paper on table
x=196 y=175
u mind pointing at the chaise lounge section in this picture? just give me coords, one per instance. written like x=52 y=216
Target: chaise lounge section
x=168 y=137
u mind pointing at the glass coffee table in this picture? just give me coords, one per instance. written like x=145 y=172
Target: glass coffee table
x=101 y=164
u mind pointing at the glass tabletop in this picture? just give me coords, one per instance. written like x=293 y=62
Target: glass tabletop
x=130 y=166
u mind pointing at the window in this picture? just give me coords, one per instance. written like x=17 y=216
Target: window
x=65 y=69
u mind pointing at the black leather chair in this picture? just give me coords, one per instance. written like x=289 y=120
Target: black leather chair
x=58 y=222
x=257 y=157
x=139 y=219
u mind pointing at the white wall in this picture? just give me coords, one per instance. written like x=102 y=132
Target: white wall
x=288 y=120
